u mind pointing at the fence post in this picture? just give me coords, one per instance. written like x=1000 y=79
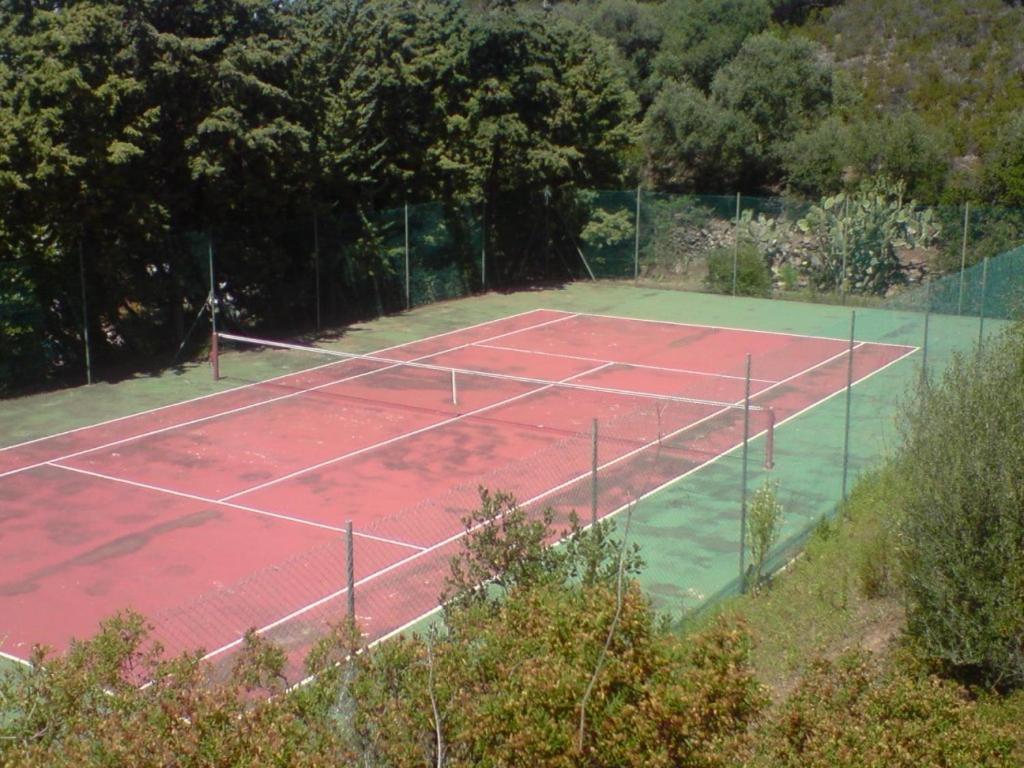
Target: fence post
x=214 y=348
x=408 y=290
x=350 y=572
x=981 y=310
x=924 y=348
x=963 y=261
x=316 y=266
x=736 y=246
x=636 y=243
x=846 y=248
x=483 y=247
x=85 y=313
x=593 y=473
x=743 y=491
x=849 y=401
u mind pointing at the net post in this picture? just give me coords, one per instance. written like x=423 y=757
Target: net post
x=350 y=572
x=214 y=348
x=593 y=473
x=636 y=242
x=981 y=310
x=849 y=402
x=408 y=289
x=455 y=391
x=963 y=261
x=769 y=441
x=743 y=486
x=85 y=313
x=736 y=246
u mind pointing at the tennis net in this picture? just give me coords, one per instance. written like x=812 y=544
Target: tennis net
x=585 y=400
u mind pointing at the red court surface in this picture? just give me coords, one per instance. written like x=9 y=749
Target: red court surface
x=228 y=512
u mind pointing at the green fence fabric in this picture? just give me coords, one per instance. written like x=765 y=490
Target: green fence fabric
x=322 y=269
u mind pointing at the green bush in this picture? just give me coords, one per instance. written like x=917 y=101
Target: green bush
x=853 y=714
x=753 y=277
x=765 y=527
x=962 y=530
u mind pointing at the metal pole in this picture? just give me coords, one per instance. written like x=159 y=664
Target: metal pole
x=636 y=245
x=846 y=248
x=316 y=266
x=350 y=572
x=849 y=401
x=214 y=350
x=981 y=311
x=85 y=314
x=736 y=246
x=924 y=348
x=593 y=473
x=483 y=248
x=963 y=261
x=455 y=392
x=408 y=290
x=769 y=441
x=743 y=493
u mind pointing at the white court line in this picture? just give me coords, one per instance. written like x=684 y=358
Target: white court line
x=413 y=433
x=457 y=536
x=242 y=507
x=730 y=328
x=18 y=659
x=623 y=363
x=267 y=381
x=250 y=406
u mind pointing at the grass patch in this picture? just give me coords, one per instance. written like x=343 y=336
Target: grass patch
x=842 y=597
x=819 y=605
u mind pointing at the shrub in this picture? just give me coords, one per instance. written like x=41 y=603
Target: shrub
x=852 y=713
x=962 y=530
x=789 y=276
x=765 y=520
x=752 y=275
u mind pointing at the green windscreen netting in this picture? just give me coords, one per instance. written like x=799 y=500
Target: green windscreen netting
x=831 y=251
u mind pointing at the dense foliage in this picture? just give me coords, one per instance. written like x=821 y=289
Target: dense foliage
x=962 y=528
x=125 y=129
x=135 y=136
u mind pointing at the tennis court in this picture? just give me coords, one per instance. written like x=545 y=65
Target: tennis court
x=229 y=511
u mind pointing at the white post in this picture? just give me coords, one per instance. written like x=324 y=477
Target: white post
x=455 y=391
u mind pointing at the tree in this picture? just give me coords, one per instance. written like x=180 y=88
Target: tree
x=1003 y=177
x=636 y=30
x=902 y=147
x=694 y=143
x=779 y=85
x=701 y=36
x=814 y=159
x=546 y=109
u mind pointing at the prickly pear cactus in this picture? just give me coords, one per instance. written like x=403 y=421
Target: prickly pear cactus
x=861 y=234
